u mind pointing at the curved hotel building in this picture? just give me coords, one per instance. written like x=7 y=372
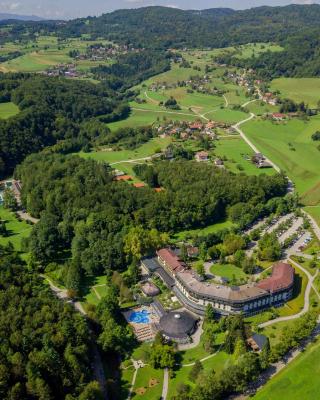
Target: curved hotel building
x=196 y=294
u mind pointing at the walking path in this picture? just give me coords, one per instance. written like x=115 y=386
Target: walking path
x=97 y=362
x=137 y=159
x=203 y=359
x=136 y=367
x=165 y=384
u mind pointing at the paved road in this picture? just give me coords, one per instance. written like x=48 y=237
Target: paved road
x=275 y=368
x=248 y=141
x=136 y=368
x=314 y=224
x=165 y=384
x=97 y=362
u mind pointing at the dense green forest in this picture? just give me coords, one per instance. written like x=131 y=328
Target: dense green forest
x=300 y=58
x=44 y=351
x=160 y=27
x=84 y=210
x=52 y=110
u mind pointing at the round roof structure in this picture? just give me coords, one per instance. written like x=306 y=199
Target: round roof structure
x=177 y=324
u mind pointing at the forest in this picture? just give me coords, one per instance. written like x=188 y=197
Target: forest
x=83 y=210
x=51 y=110
x=45 y=344
x=300 y=58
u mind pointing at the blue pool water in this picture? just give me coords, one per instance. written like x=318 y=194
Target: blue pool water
x=140 y=317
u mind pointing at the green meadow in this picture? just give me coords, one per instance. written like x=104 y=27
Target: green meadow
x=299 y=380
x=17 y=230
x=8 y=110
x=298 y=89
x=228 y=271
x=237 y=154
x=45 y=52
x=314 y=211
x=290 y=146
x=183 y=235
x=146 y=150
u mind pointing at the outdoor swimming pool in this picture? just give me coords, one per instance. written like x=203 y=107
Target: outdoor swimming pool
x=140 y=317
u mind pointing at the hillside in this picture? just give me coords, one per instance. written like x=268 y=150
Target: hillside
x=168 y=27
x=17 y=17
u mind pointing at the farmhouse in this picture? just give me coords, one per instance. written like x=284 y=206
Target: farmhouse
x=195 y=294
x=202 y=156
x=279 y=116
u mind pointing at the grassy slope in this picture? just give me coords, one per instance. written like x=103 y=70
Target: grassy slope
x=8 y=110
x=236 y=150
x=300 y=380
x=301 y=165
x=298 y=89
x=203 y=231
x=314 y=212
x=146 y=150
x=17 y=230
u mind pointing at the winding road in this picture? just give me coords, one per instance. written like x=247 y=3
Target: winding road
x=97 y=361
x=307 y=292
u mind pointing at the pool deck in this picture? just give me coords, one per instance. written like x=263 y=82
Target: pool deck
x=143 y=331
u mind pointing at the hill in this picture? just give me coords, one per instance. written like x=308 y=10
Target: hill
x=17 y=17
x=167 y=27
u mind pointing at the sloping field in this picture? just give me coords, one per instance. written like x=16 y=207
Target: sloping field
x=300 y=380
x=298 y=89
x=290 y=146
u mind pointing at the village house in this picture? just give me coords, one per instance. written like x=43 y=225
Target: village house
x=202 y=156
x=257 y=342
x=279 y=116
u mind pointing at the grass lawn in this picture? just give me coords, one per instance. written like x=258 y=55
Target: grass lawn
x=228 y=271
x=237 y=152
x=216 y=363
x=146 y=150
x=126 y=379
x=8 y=110
x=17 y=229
x=314 y=212
x=202 y=231
x=302 y=163
x=296 y=304
x=298 y=89
x=144 y=376
x=299 y=380
x=142 y=115
x=255 y=49
x=260 y=108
